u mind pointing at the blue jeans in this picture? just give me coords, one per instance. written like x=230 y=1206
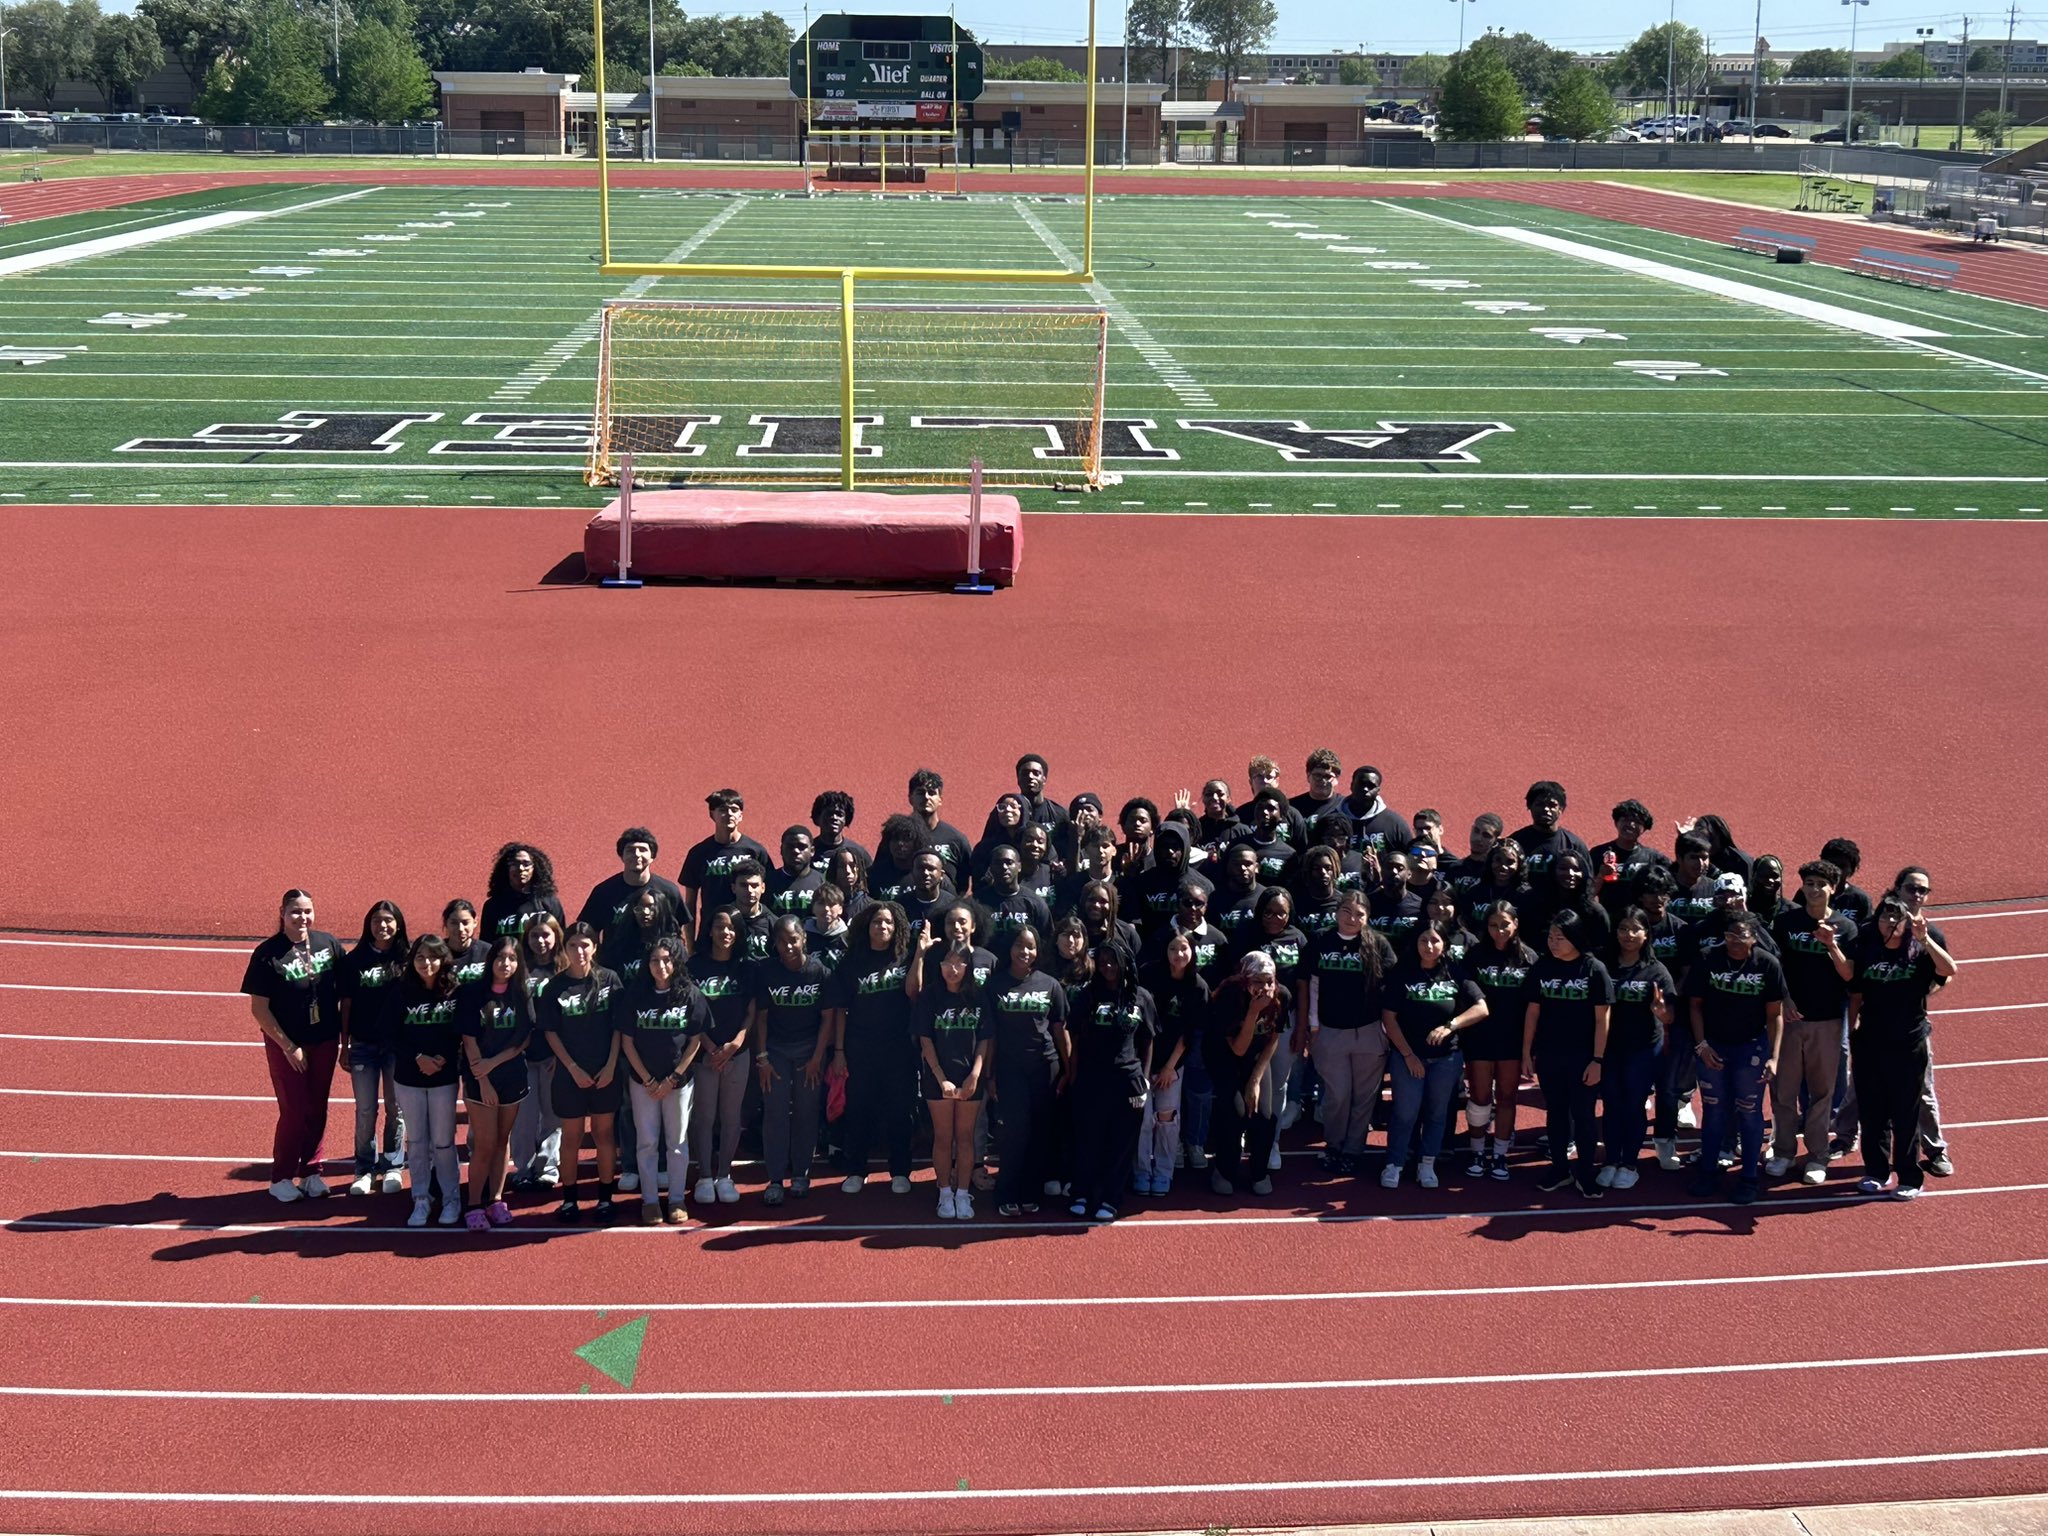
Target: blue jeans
x=1428 y=1098
x=1734 y=1089
x=369 y=1070
x=1624 y=1084
x=1197 y=1098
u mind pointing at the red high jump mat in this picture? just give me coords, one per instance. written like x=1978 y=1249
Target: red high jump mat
x=850 y=536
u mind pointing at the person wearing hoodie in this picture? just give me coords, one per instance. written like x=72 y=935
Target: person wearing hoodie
x=1148 y=898
x=1139 y=823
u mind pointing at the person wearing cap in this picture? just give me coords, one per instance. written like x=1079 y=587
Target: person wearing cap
x=1545 y=837
x=1084 y=818
x=1735 y=995
x=706 y=878
x=1731 y=900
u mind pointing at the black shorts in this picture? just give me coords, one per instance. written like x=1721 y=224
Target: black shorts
x=1491 y=1040
x=509 y=1082
x=574 y=1103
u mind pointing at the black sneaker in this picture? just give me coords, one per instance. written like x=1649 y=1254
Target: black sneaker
x=1497 y=1165
x=1938 y=1164
x=1476 y=1169
x=603 y=1211
x=1556 y=1179
x=569 y=1212
x=1590 y=1190
x=1329 y=1162
x=1704 y=1187
x=1745 y=1192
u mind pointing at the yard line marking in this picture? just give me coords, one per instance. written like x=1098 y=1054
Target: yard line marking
x=558 y=355
x=1089 y=1389
x=1135 y=331
x=106 y=245
x=1684 y=277
x=1034 y=1303
x=966 y=1494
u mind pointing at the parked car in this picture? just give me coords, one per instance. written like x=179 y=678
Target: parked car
x=1770 y=131
x=1623 y=136
x=1703 y=133
x=1828 y=136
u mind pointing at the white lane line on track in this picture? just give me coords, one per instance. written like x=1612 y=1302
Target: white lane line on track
x=1994 y=959
x=533 y=1230
x=44 y=986
x=1092 y=1389
x=158 y=949
x=580 y=1499
x=963 y=1303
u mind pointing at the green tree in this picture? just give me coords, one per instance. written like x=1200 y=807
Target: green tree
x=281 y=77
x=1155 y=28
x=1480 y=98
x=1907 y=64
x=1233 y=29
x=1536 y=65
x=1820 y=64
x=1578 y=106
x=1991 y=126
x=383 y=77
x=51 y=43
x=1425 y=71
x=1985 y=61
x=1035 y=68
x=125 y=52
x=1667 y=59
x=1774 y=71
x=726 y=45
x=199 y=32
x=1355 y=69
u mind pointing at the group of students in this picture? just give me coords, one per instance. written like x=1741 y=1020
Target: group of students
x=1100 y=1005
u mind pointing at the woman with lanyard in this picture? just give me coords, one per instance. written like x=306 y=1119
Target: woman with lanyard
x=1114 y=1025
x=787 y=1027
x=1499 y=964
x=429 y=1044
x=718 y=1083
x=536 y=1128
x=1568 y=1012
x=581 y=1016
x=1247 y=1016
x=955 y=1038
x=520 y=891
x=666 y=1018
x=868 y=1009
x=466 y=951
x=1180 y=1000
x=367 y=992
x=1342 y=1030
x=1644 y=994
x=496 y=1020
x=1032 y=1049
x=290 y=983
x=1897 y=965
x=1426 y=1004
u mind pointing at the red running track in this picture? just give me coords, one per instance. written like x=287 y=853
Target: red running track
x=2003 y=271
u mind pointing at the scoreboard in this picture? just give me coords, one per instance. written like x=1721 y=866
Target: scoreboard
x=903 y=68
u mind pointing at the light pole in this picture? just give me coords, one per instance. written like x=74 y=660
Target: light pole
x=1849 y=127
x=1963 y=95
x=1123 y=153
x=2012 y=16
x=1671 y=61
x=1461 y=4
x=1756 y=73
x=5 y=33
x=647 y=148
x=1922 y=35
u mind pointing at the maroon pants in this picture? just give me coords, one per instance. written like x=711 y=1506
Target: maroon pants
x=301 y=1108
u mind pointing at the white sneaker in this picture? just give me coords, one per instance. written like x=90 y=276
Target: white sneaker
x=1273 y=1159
x=364 y=1183
x=629 y=1183
x=1625 y=1178
x=394 y=1182
x=1667 y=1154
x=1778 y=1167
x=705 y=1192
x=1425 y=1173
x=1289 y=1115
x=948 y=1202
x=1390 y=1176
x=422 y=1208
x=963 y=1206
x=1867 y=1186
x=1815 y=1174
x=1606 y=1176
x=728 y=1192
x=313 y=1187
x=899 y=1185
x=1688 y=1116
x=451 y=1212
x=853 y=1184
x=284 y=1190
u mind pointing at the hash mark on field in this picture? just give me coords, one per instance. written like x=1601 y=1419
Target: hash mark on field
x=559 y=355
x=1157 y=358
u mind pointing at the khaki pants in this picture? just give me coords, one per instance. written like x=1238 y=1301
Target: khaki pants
x=1810 y=1055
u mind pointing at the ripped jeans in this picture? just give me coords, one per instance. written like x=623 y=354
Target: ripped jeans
x=1735 y=1088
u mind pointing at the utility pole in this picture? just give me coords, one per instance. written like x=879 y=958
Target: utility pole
x=1849 y=127
x=1963 y=95
x=1756 y=74
x=1671 y=62
x=2012 y=16
x=1123 y=154
x=646 y=148
x=335 y=11
x=4 y=35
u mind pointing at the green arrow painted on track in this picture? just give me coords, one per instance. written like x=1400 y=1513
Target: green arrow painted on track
x=617 y=1354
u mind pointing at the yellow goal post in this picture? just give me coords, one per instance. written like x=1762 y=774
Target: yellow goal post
x=850 y=395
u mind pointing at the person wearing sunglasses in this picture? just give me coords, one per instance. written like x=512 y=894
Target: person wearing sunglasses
x=1914 y=886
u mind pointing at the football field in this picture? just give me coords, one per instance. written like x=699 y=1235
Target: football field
x=1427 y=355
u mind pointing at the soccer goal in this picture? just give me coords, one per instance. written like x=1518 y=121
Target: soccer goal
x=797 y=394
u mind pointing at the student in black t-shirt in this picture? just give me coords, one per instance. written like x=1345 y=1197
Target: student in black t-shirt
x=521 y=889
x=1180 y=999
x=467 y=950
x=1113 y=1024
x=496 y=1019
x=790 y=1044
x=1038 y=872
x=367 y=994
x=1093 y=857
x=750 y=910
x=1813 y=944
x=956 y=1038
x=1913 y=885
x=1736 y=994
x=605 y=907
x=1499 y=965
x=1440 y=905
x=1424 y=1005
x=1396 y=903
x=648 y=919
x=848 y=869
x=706 y=877
x=1316 y=890
x=1619 y=862
x=1031 y=1052
x=1568 y=1005
x=580 y=1016
x=1341 y=1028
x=1010 y=906
x=1267 y=831
x=868 y=1009
x=1641 y=1017
x=1322 y=798
x=1218 y=821
x=1544 y=838
x=832 y=814
x=1469 y=873
x=1376 y=828
x=1846 y=856
x=1038 y=806
x=1898 y=964
x=1567 y=889
x=927 y=793
x=790 y=885
x=664 y=1020
x=536 y=1141
x=1506 y=879
x=290 y=982
x=430 y=1045
x=1004 y=826
x=1096 y=906
x=825 y=928
x=1139 y=823
x=1726 y=857
x=718 y=1086
x=903 y=840
x=1249 y=1015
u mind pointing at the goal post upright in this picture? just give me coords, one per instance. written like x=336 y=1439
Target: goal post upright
x=846 y=426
